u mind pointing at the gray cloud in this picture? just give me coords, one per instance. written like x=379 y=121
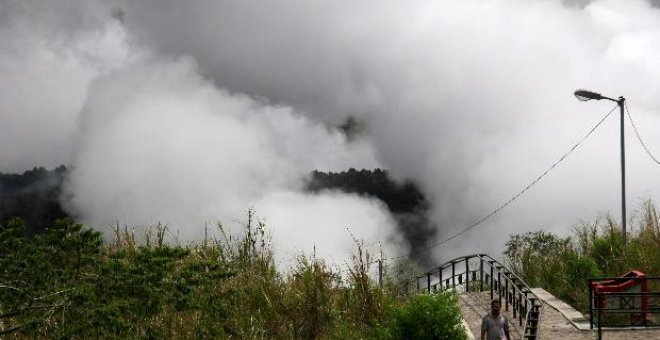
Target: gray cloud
x=48 y=57
x=471 y=100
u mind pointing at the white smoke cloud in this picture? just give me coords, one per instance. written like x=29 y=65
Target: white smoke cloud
x=471 y=100
x=159 y=143
x=325 y=224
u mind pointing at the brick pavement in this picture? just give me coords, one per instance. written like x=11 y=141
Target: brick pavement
x=553 y=323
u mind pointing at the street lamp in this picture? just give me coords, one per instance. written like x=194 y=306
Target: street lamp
x=584 y=95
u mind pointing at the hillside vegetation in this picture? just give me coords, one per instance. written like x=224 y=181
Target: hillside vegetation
x=563 y=265
x=67 y=283
x=35 y=194
x=405 y=201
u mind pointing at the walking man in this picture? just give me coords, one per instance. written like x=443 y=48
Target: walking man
x=494 y=326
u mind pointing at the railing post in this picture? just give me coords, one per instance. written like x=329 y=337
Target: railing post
x=453 y=275
x=600 y=335
x=506 y=294
x=440 y=277
x=523 y=311
x=499 y=286
x=591 y=305
x=481 y=274
x=428 y=282
x=516 y=304
x=467 y=275
x=644 y=309
x=492 y=281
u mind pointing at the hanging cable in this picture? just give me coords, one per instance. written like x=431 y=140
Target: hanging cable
x=639 y=137
x=483 y=219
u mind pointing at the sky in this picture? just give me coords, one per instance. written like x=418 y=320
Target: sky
x=190 y=113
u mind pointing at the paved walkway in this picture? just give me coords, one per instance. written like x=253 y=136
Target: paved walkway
x=554 y=324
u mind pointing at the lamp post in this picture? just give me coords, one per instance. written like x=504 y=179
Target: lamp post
x=584 y=95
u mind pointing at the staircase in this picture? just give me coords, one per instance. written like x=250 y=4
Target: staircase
x=479 y=274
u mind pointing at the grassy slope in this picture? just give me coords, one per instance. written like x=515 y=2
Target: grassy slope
x=66 y=283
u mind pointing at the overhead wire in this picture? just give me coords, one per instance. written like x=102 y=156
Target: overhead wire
x=639 y=137
x=516 y=196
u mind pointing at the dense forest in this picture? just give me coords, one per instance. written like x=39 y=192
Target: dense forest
x=34 y=196
x=399 y=197
x=404 y=200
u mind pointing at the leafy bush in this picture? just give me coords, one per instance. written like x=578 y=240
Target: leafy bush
x=426 y=316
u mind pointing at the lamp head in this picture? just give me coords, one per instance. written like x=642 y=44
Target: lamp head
x=584 y=95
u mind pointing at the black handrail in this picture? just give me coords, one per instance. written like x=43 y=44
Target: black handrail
x=526 y=305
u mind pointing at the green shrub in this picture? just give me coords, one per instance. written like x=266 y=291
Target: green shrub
x=577 y=271
x=426 y=316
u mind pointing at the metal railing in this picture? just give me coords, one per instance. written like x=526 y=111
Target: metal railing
x=480 y=272
x=637 y=306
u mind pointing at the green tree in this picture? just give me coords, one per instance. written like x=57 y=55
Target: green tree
x=39 y=275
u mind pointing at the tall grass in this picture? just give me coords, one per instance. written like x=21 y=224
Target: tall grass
x=68 y=284
x=596 y=249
